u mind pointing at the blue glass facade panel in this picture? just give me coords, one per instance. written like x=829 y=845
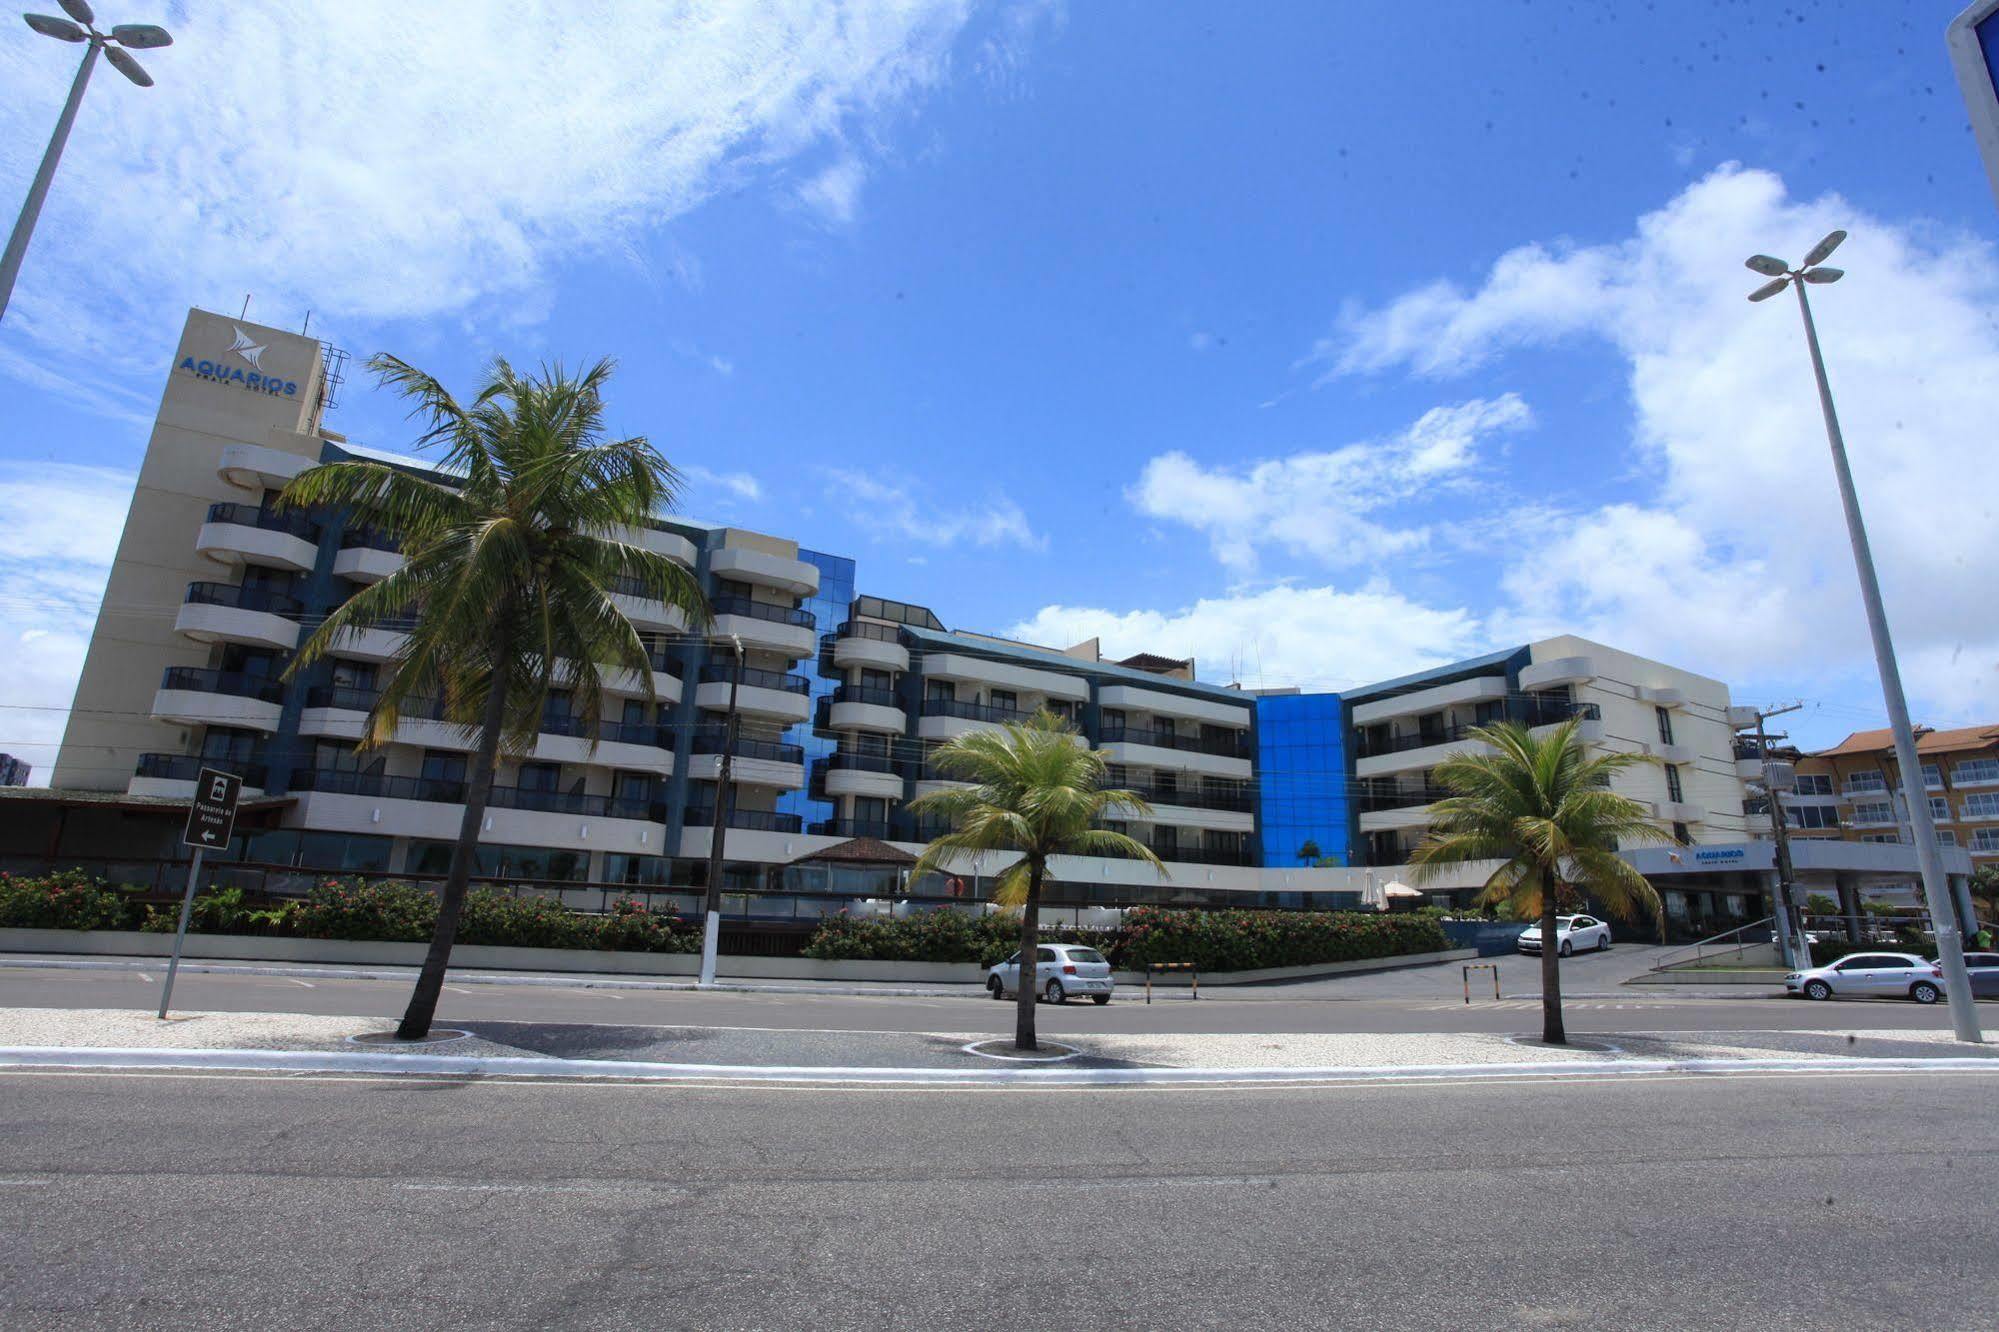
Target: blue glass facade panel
x=1302 y=781
x=829 y=605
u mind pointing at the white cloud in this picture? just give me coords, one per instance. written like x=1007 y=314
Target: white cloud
x=740 y=484
x=875 y=505
x=1314 y=504
x=1736 y=561
x=59 y=528
x=372 y=163
x=1318 y=638
x=835 y=193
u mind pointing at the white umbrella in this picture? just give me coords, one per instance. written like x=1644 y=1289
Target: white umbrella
x=1400 y=890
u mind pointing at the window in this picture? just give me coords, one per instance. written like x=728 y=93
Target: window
x=1939 y=810
x=1865 y=781
x=1981 y=805
x=1874 y=811
x=1811 y=816
x=1932 y=776
x=1113 y=719
x=1985 y=839
x=874 y=679
x=1665 y=720
x=1006 y=698
x=940 y=691
x=1674 y=792
x=539 y=777
x=1976 y=771
x=443 y=765
x=1946 y=837
x=1680 y=833
x=1814 y=784
x=220 y=742
x=1883 y=838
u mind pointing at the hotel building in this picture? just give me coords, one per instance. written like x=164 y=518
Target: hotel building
x=1273 y=798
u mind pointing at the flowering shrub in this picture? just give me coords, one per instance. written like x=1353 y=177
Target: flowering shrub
x=490 y=917
x=363 y=909
x=940 y=935
x=65 y=900
x=632 y=927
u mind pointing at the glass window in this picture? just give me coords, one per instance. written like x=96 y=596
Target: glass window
x=1874 y=811
x=1985 y=839
x=1939 y=809
x=1932 y=775
x=1982 y=805
x=1866 y=780
x=1673 y=789
x=1814 y=783
x=1665 y=719
x=1976 y=770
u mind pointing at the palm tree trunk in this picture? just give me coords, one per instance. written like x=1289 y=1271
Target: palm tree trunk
x=451 y=901
x=1027 y=992
x=1552 y=1031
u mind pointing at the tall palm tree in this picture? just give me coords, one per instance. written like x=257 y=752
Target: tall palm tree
x=1036 y=791
x=507 y=578
x=1543 y=808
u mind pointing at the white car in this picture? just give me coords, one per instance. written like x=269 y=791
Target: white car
x=1060 y=970
x=1871 y=976
x=1573 y=934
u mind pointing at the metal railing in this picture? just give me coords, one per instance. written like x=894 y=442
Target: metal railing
x=249 y=515
x=371 y=538
x=202 y=680
x=1221 y=747
x=243 y=598
x=1402 y=798
x=763 y=610
x=381 y=786
x=1734 y=946
x=187 y=767
x=860 y=762
x=878 y=828
x=951 y=707
x=881 y=633
x=871 y=694
x=755 y=678
x=752 y=820
x=774 y=751
x=1192 y=797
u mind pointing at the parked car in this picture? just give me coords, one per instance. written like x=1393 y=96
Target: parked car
x=1060 y=970
x=1572 y=934
x=1984 y=971
x=1871 y=976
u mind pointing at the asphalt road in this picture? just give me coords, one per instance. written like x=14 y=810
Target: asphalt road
x=1428 y=1001
x=238 y=1202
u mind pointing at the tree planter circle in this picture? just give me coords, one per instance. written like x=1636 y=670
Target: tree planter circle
x=438 y=1036
x=1002 y=1048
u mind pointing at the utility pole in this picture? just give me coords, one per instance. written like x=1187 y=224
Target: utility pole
x=711 y=925
x=1792 y=928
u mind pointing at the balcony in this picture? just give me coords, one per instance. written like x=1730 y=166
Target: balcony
x=434 y=808
x=1198 y=855
x=1023 y=679
x=1558 y=671
x=750 y=820
x=1189 y=806
x=876 y=828
x=1190 y=797
x=944 y=718
x=865 y=644
x=1434 y=699
x=230 y=613
x=237 y=534
x=763 y=624
x=746 y=565
x=863 y=708
x=863 y=775
x=1413 y=752
x=772 y=694
x=1133 y=698
x=174 y=775
x=376 y=642
x=664 y=675
x=1225 y=756
x=644 y=608
x=587 y=740
x=769 y=763
x=196 y=696
x=367 y=555
x=256 y=467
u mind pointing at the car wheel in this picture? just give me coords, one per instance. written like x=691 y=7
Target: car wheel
x=995 y=987
x=1817 y=989
x=1100 y=999
x=1925 y=993
x=1603 y=944
x=1568 y=947
x=1055 y=994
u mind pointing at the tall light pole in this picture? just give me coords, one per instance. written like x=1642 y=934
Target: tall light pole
x=138 y=36
x=1936 y=892
x=711 y=919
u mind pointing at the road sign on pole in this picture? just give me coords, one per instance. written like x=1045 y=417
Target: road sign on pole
x=212 y=818
x=1973 y=41
x=211 y=821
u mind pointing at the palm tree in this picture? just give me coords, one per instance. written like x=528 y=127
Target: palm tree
x=1036 y=791
x=507 y=578
x=1543 y=808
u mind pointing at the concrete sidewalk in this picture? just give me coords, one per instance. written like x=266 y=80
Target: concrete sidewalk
x=108 y=1038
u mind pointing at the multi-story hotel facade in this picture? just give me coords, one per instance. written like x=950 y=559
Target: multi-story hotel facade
x=1853 y=791
x=1273 y=798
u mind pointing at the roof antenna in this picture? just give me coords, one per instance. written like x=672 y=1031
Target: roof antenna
x=246 y=306
x=307 y=324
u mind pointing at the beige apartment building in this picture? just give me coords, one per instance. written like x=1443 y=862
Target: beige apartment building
x=1852 y=791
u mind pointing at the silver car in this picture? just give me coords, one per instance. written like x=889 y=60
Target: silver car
x=1871 y=976
x=1983 y=968
x=1060 y=970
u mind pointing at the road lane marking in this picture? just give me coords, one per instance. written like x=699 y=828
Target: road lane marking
x=306 y=984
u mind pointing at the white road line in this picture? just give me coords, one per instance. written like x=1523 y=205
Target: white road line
x=306 y=984
x=146 y=977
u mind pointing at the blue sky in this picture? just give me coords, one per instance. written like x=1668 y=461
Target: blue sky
x=1322 y=342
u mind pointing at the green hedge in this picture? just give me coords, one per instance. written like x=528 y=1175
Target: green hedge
x=361 y=910
x=1211 y=940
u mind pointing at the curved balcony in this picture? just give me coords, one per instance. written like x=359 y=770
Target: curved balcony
x=768 y=763
x=1223 y=757
x=879 y=829
x=376 y=642
x=860 y=708
x=256 y=467
x=231 y=613
x=665 y=673
x=863 y=775
x=771 y=694
x=367 y=556
x=750 y=820
x=196 y=696
x=876 y=646
x=743 y=564
x=1558 y=671
x=761 y=624
x=944 y=718
x=236 y=534
x=643 y=609
x=174 y=775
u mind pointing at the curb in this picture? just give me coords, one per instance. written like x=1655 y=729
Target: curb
x=461 y=1066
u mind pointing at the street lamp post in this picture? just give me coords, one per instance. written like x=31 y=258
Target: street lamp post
x=1936 y=891
x=138 y=36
